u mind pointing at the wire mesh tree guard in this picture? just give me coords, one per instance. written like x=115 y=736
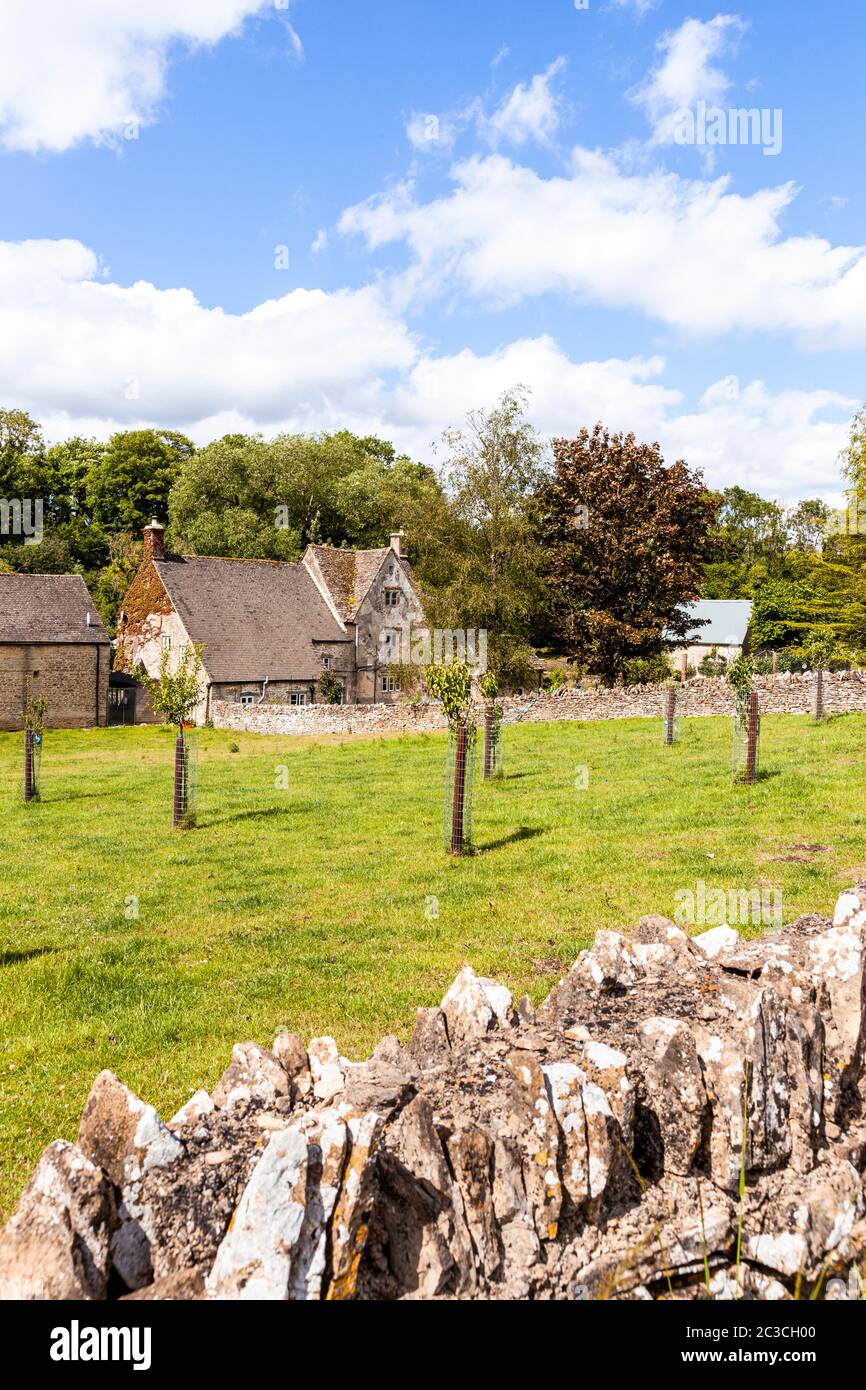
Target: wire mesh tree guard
x=459 y=780
x=493 y=764
x=32 y=765
x=746 y=740
x=671 y=722
x=818 y=690
x=185 y=802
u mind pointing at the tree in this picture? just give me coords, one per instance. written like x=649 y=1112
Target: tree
x=176 y=695
x=490 y=574
x=627 y=537
x=20 y=443
x=129 y=482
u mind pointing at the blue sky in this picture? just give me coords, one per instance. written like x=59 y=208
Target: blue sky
x=235 y=214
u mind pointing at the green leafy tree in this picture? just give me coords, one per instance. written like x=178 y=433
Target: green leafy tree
x=130 y=481
x=20 y=445
x=330 y=689
x=627 y=536
x=450 y=682
x=490 y=574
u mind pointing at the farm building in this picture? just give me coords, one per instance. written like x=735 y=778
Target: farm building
x=722 y=624
x=269 y=630
x=52 y=644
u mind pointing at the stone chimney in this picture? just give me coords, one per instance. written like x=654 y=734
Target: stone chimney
x=154 y=541
x=397 y=543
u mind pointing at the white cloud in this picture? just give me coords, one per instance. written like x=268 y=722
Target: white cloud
x=689 y=253
x=531 y=112
x=71 y=342
x=80 y=70
x=686 y=74
x=86 y=355
x=320 y=241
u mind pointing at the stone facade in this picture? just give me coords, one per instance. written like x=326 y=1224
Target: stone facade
x=845 y=692
x=73 y=679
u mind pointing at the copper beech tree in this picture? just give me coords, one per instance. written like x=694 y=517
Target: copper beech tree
x=627 y=536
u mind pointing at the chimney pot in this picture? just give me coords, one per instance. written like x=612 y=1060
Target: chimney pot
x=154 y=541
x=397 y=539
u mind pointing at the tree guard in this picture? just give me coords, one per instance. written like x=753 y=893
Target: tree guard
x=671 y=725
x=32 y=765
x=459 y=778
x=185 y=800
x=746 y=742
x=492 y=741
x=818 y=696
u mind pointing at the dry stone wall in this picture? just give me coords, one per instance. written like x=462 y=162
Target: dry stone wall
x=592 y=1148
x=783 y=694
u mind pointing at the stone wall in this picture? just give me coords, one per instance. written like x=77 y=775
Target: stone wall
x=65 y=673
x=592 y=1148
x=785 y=694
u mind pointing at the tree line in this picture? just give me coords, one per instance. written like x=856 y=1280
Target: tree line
x=590 y=548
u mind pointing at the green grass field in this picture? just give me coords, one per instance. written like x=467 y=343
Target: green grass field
x=305 y=907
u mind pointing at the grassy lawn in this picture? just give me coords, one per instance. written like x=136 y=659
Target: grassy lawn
x=306 y=907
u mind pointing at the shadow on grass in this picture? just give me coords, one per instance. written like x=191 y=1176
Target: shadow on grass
x=524 y=833
x=18 y=957
x=268 y=813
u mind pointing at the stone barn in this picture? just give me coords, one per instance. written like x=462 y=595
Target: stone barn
x=52 y=643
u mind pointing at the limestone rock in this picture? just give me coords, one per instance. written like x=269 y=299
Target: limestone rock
x=326 y=1069
x=57 y=1243
x=197 y=1105
x=254 y=1075
x=290 y=1052
x=474 y=1005
x=254 y=1261
x=716 y=941
x=121 y=1134
x=429 y=1044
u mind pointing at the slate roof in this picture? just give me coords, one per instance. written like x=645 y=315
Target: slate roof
x=48 y=608
x=729 y=621
x=257 y=619
x=349 y=574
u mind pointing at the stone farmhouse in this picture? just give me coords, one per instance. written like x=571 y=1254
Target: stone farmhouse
x=270 y=629
x=52 y=644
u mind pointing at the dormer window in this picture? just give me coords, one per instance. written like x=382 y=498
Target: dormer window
x=392 y=598
x=326 y=662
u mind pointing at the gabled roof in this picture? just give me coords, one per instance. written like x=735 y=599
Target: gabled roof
x=48 y=608
x=349 y=574
x=727 y=625
x=257 y=619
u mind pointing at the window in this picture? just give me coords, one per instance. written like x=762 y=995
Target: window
x=166 y=643
x=392 y=598
x=298 y=697
x=248 y=699
x=326 y=662
x=390 y=686
x=181 y=652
